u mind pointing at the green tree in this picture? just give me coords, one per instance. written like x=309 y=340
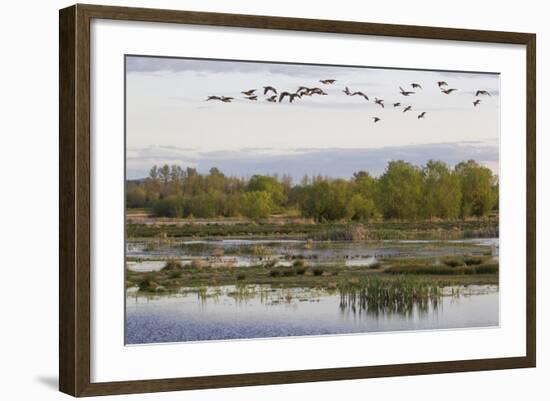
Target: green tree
x=164 y=174
x=364 y=184
x=271 y=185
x=135 y=196
x=325 y=199
x=170 y=206
x=442 y=191
x=400 y=191
x=496 y=197
x=360 y=208
x=215 y=180
x=256 y=204
x=154 y=173
x=205 y=204
x=478 y=195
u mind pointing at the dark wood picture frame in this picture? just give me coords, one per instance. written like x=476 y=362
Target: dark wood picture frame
x=74 y=203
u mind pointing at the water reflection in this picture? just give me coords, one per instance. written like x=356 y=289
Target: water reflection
x=253 y=311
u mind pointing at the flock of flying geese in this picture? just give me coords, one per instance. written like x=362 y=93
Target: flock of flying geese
x=271 y=95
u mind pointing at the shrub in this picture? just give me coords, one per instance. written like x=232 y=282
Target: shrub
x=147 y=285
x=274 y=273
x=175 y=274
x=171 y=206
x=270 y=263
x=298 y=263
x=172 y=264
x=288 y=272
x=317 y=271
x=241 y=276
x=376 y=265
x=197 y=263
x=472 y=261
x=423 y=269
x=135 y=196
x=452 y=262
x=300 y=271
x=218 y=252
x=489 y=268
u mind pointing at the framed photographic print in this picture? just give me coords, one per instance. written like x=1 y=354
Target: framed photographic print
x=250 y=200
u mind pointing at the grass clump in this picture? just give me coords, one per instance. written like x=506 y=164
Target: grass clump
x=171 y=265
x=147 y=284
x=197 y=264
x=376 y=295
x=241 y=276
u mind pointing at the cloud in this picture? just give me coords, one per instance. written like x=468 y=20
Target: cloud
x=147 y=64
x=155 y=64
x=333 y=162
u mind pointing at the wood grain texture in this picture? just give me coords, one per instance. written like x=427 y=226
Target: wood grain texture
x=67 y=253
x=531 y=229
x=74 y=199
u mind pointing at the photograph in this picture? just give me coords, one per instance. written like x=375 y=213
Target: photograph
x=274 y=199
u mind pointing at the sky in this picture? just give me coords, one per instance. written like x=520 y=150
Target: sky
x=169 y=121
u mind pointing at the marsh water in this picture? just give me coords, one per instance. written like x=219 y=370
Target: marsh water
x=253 y=311
x=151 y=256
x=224 y=313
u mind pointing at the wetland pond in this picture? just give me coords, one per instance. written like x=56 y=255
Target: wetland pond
x=151 y=255
x=247 y=310
x=293 y=312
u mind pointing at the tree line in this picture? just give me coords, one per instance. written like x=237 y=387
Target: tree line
x=403 y=191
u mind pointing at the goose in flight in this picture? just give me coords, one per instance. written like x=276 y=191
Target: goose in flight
x=476 y=102
x=360 y=94
x=317 y=91
x=226 y=99
x=303 y=91
x=448 y=91
x=482 y=92
x=396 y=104
x=327 y=81
x=379 y=101
x=404 y=92
x=213 y=98
x=252 y=97
x=415 y=85
x=346 y=91
x=269 y=88
x=442 y=83
x=292 y=96
x=249 y=92
x=272 y=98
x=375 y=119
x=408 y=108
x=421 y=115
x=283 y=95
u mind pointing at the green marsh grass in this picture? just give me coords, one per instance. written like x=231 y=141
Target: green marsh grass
x=376 y=295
